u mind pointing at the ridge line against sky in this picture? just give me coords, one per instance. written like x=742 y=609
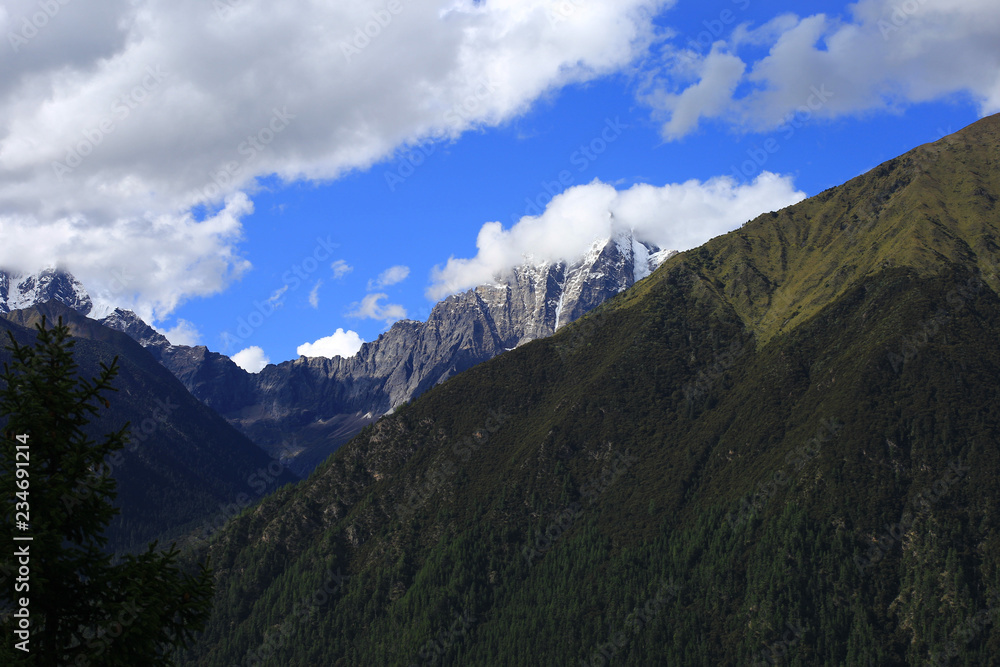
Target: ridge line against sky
x=205 y=150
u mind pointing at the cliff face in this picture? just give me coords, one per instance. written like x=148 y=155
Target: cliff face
x=302 y=410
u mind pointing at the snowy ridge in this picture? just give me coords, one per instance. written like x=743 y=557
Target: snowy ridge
x=660 y=257
x=24 y=290
x=537 y=298
x=640 y=260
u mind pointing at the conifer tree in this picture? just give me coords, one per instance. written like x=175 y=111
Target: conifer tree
x=84 y=607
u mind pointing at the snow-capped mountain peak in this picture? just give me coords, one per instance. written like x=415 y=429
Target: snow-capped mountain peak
x=537 y=298
x=23 y=290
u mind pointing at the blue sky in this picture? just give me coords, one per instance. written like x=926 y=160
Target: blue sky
x=124 y=153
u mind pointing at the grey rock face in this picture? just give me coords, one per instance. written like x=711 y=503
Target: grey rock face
x=129 y=323
x=306 y=408
x=303 y=410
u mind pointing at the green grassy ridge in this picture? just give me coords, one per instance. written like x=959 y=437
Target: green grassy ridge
x=619 y=381
x=933 y=206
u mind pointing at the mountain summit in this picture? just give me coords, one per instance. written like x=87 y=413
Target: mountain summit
x=302 y=410
x=782 y=446
x=24 y=290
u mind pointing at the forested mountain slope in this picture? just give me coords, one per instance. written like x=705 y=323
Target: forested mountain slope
x=782 y=445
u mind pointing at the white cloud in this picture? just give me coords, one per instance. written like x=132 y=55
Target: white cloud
x=184 y=333
x=341 y=269
x=314 y=294
x=370 y=308
x=275 y=298
x=678 y=216
x=148 y=265
x=252 y=359
x=112 y=126
x=341 y=344
x=391 y=276
x=720 y=72
x=886 y=55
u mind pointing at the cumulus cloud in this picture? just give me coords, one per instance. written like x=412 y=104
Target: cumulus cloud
x=370 y=308
x=148 y=265
x=677 y=216
x=314 y=294
x=184 y=333
x=341 y=269
x=720 y=73
x=112 y=127
x=391 y=276
x=341 y=344
x=252 y=359
x=886 y=55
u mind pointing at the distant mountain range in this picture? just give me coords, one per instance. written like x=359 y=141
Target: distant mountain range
x=185 y=469
x=783 y=447
x=302 y=410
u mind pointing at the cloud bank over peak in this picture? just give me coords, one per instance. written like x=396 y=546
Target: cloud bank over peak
x=115 y=122
x=676 y=216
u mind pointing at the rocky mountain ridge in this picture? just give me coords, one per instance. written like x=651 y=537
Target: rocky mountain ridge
x=302 y=410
